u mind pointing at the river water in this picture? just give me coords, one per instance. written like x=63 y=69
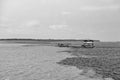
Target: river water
x=19 y=62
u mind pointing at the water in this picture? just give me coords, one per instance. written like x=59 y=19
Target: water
x=18 y=62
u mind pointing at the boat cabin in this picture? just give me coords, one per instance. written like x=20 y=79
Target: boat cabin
x=88 y=44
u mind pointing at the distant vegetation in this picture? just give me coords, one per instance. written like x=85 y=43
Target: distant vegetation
x=46 y=39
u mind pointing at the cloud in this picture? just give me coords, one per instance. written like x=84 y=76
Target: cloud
x=32 y=23
x=2 y=18
x=2 y=25
x=66 y=13
x=94 y=8
x=28 y=27
x=57 y=27
x=6 y=19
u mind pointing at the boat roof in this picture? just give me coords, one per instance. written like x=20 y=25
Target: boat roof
x=88 y=40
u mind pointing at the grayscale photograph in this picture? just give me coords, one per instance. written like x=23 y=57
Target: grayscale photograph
x=59 y=39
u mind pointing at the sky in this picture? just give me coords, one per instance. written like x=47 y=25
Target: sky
x=60 y=19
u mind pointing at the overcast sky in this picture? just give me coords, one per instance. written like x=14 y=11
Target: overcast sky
x=75 y=19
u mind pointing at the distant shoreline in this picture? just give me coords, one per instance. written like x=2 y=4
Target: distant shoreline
x=47 y=39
